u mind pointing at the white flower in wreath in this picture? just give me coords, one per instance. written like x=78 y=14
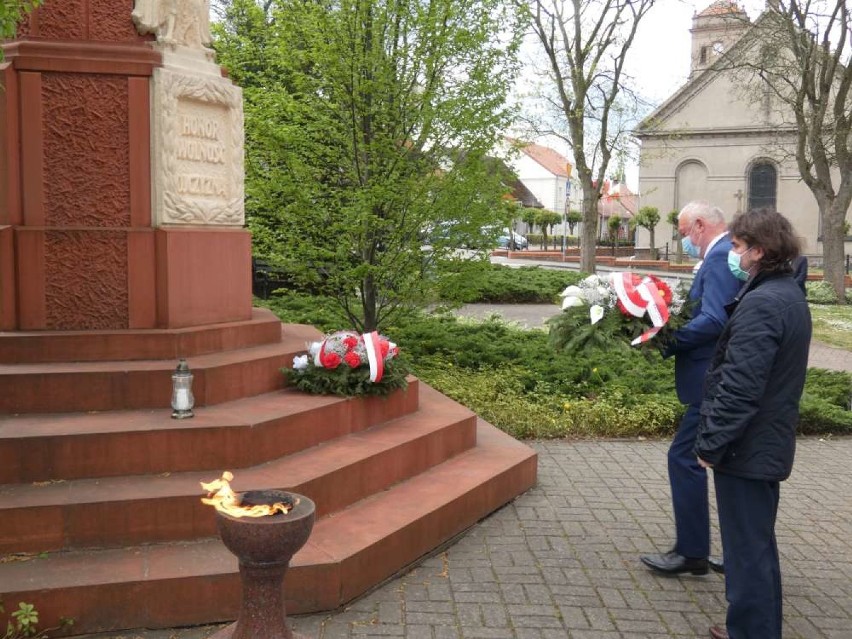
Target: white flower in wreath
x=572 y=291
x=314 y=348
x=596 y=313
x=300 y=362
x=572 y=300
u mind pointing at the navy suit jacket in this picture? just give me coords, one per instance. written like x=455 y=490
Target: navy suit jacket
x=713 y=287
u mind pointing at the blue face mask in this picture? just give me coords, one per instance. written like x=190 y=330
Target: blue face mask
x=689 y=248
x=734 y=265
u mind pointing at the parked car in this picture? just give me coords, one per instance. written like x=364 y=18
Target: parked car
x=521 y=242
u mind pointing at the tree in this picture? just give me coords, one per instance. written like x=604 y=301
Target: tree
x=573 y=218
x=800 y=61
x=546 y=220
x=648 y=218
x=368 y=126
x=672 y=219
x=586 y=43
x=529 y=216
x=614 y=224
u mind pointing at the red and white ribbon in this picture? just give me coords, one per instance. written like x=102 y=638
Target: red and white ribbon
x=374 y=356
x=639 y=296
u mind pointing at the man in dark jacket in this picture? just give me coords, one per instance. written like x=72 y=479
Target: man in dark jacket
x=749 y=416
x=704 y=235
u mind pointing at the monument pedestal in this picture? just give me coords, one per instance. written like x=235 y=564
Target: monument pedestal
x=94 y=234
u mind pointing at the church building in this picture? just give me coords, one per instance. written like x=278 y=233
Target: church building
x=719 y=141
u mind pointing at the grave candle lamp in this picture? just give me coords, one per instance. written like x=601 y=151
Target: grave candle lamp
x=182 y=399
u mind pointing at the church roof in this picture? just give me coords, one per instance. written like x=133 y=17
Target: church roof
x=696 y=82
x=721 y=8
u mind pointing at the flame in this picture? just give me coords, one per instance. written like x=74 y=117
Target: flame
x=225 y=500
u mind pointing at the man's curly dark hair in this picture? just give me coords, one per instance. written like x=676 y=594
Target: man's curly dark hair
x=773 y=233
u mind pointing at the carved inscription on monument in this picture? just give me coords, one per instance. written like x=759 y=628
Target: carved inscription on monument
x=202 y=150
x=198 y=149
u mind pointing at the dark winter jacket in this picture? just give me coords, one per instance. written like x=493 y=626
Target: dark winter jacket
x=752 y=389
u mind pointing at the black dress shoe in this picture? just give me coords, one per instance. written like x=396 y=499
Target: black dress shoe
x=672 y=563
x=716 y=564
x=718 y=632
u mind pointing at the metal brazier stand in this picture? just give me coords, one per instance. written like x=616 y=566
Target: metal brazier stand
x=264 y=546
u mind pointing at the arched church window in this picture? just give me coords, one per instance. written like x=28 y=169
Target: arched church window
x=762 y=186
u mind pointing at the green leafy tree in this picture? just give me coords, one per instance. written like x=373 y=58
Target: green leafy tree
x=368 y=125
x=648 y=218
x=546 y=220
x=529 y=216
x=614 y=224
x=672 y=219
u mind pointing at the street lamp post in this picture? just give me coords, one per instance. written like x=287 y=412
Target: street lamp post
x=567 y=207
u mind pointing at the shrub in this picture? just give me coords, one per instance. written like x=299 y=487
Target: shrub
x=514 y=379
x=505 y=285
x=501 y=397
x=818 y=416
x=820 y=292
x=834 y=387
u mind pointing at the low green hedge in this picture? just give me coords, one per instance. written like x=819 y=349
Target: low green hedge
x=497 y=284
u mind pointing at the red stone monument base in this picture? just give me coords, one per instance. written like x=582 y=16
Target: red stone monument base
x=124 y=278
x=203 y=276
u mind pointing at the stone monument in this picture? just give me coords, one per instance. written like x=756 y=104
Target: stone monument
x=122 y=250
x=134 y=156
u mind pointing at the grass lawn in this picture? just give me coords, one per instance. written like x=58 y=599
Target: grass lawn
x=833 y=325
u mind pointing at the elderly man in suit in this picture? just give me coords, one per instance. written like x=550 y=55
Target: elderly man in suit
x=704 y=235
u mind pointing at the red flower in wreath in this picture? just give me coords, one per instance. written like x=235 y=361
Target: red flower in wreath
x=329 y=360
x=352 y=359
x=665 y=289
x=350 y=342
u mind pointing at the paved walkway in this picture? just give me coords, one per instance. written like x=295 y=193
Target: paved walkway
x=562 y=560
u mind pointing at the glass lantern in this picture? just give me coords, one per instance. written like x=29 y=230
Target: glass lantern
x=182 y=399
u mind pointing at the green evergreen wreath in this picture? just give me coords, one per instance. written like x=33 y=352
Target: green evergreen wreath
x=339 y=365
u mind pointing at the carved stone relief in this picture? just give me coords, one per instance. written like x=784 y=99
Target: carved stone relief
x=86 y=150
x=197 y=150
x=82 y=293
x=175 y=22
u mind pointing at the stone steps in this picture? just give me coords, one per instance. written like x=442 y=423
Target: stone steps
x=119 y=511
x=349 y=552
x=100 y=511
x=50 y=387
x=237 y=434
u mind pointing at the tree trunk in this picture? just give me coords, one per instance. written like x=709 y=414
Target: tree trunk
x=368 y=303
x=833 y=245
x=588 y=238
x=653 y=244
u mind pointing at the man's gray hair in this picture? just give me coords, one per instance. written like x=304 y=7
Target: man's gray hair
x=713 y=214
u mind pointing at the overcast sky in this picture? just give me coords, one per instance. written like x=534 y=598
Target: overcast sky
x=659 y=58
x=660 y=53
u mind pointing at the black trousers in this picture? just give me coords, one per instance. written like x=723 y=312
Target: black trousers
x=747 y=512
x=688 y=482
